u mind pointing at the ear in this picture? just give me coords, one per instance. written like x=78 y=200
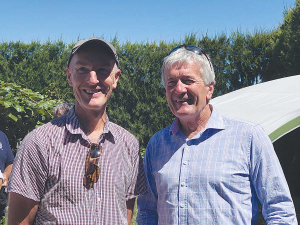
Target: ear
x=68 y=72
x=210 y=91
x=116 y=77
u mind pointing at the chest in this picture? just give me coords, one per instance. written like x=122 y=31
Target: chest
x=211 y=164
x=66 y=171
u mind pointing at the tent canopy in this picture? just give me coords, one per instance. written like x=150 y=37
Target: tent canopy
x=275 y=105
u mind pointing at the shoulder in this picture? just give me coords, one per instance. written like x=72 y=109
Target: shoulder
x=2 y=135
x=160 y=138
x=246 y=133
x=240 y=125
x=236 y=121
x=161 y=134
x=4 y=144
x=51 y=127
x=42 y=135
x=237 y=130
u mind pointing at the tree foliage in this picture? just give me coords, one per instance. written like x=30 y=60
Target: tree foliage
x=284 y=51
x=38 y=66
x=21 y=110
x=139 y=104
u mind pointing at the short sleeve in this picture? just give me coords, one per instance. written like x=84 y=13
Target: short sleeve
x=138 y=182
x=29 y=172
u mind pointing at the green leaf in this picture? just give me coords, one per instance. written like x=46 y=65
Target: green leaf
x=14 y=118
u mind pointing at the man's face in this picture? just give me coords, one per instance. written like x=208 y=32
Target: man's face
x=93 y=76
x=186 y=92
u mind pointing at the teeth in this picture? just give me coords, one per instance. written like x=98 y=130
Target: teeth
x=92 y=92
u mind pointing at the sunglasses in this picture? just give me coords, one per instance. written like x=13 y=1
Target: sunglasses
x=191 y=48
x=91 y=166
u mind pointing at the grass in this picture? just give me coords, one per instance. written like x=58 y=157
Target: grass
x=3 y=221
x=133 y=220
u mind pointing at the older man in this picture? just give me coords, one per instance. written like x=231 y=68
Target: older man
x=79 y=168
x=206 y=168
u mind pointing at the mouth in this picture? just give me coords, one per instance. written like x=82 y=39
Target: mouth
x=183 y=100
x=92 y=91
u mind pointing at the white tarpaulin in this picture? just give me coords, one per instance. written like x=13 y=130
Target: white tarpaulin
x=275 y=105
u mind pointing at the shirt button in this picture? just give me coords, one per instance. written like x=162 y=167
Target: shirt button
x=185 y=162
x=181 y=206
x=98 y=199
x=182 y=184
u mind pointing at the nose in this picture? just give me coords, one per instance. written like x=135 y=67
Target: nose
x=180 y=87
x=93 y=78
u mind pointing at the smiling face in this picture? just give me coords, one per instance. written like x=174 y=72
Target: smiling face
x=186 y=93
x=93 y=75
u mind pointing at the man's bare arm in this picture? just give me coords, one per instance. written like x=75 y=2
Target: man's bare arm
x=21 y=210
x=130 y=207
x=6 y=174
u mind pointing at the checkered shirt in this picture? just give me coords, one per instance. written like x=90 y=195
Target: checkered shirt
x=50 y=165
x=217 y=177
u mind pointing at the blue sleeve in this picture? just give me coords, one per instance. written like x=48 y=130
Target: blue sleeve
x=6 y=154
x=269 y=181
x=10 y=156
x=147 y=203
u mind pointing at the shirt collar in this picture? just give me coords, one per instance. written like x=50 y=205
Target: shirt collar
x=73 y=126
x=215 y=122
x=72 y=123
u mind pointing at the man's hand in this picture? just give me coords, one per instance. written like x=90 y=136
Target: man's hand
x=4 y=181
x=6 y=174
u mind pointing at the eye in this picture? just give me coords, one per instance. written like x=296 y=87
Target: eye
x=171 y=83
x=102 y=71
x=187 y=81
x=82 y=70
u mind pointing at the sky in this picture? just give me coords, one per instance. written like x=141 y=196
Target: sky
x=136 y=21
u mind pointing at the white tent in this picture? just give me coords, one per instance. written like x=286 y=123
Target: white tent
x=275 y=105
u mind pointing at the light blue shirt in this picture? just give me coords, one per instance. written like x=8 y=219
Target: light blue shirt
x=217 y=177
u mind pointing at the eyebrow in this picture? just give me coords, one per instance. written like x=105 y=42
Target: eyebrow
x=81 y=63
x=181 y=77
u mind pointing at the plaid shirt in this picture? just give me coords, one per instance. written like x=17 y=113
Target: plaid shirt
x=50 y=165
x=217 y=177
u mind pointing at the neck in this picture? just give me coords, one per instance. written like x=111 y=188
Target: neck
x=91 y=122
x=191 y=127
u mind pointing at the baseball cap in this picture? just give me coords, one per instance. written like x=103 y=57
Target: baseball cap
x=97 y=40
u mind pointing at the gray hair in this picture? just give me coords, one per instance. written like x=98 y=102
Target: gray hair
x=62 y=109
x=181 y=56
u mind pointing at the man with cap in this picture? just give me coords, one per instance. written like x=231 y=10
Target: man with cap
x=79 y=168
